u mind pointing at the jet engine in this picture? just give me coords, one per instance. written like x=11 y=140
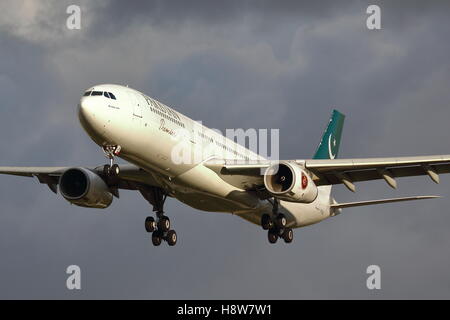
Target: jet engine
x=85 y=188
x=290 y=182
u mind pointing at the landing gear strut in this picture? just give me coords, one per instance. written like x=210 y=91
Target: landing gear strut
x=276 y=225
x=111 y=169
x=160 y=228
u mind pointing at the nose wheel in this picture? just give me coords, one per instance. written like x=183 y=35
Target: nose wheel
x=112 y=169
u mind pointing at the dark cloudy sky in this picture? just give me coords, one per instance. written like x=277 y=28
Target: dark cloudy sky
x=232 y=64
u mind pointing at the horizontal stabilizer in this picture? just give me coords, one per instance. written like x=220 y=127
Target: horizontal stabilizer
x=371 y=202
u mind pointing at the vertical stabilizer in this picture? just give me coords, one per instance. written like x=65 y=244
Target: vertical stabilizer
x=331 y=139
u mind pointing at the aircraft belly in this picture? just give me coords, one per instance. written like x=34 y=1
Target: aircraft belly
x=297 y=214
x=201 y=183
x=305 y=214
x=206 y=202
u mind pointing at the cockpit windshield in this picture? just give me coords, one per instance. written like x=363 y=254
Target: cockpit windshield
x=108 y=95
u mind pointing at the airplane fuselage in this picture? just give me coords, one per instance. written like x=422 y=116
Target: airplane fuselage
x=173 y=148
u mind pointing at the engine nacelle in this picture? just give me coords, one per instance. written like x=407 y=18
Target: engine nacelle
x=84 y=188
x=289 y=182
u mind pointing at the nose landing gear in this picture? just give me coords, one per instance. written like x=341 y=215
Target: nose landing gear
x=111 y=169
x=276 y=225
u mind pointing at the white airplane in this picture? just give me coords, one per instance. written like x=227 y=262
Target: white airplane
x=226 y=177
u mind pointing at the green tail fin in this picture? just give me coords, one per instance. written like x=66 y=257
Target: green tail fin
x=331 y=139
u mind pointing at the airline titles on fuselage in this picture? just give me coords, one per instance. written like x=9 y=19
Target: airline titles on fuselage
x=164 y=111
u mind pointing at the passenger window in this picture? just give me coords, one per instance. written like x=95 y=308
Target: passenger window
x=87 y=93
x=97 y=93
x=112 y=96
x=106 y=94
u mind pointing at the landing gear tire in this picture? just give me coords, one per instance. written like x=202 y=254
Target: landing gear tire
x=150 y=224
x=272 y=235
x=281 y=221
x=156 y=238
x=164 y=224
x=160 y=227
x=288 y=235
x=171 y=238
x=266 y=222
x=114 y=170
x=106 y=169
x=111 y=171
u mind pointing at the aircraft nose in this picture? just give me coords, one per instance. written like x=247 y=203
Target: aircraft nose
x=85 y=107
x=86 y=112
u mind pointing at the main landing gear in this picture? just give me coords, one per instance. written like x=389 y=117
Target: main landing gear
x=112 y=169
x=160 y=228
x=276 y=225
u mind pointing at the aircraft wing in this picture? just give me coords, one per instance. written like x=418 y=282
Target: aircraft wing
x=381 y=201
x=130 y=177
x=348 y=171
x=248 y=175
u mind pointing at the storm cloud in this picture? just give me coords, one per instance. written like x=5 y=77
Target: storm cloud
x=231 y=64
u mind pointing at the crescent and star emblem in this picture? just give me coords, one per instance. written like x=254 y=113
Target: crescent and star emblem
x=331 y=146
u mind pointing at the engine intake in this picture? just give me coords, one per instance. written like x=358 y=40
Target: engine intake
x=290 y=182
x=85 y=188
